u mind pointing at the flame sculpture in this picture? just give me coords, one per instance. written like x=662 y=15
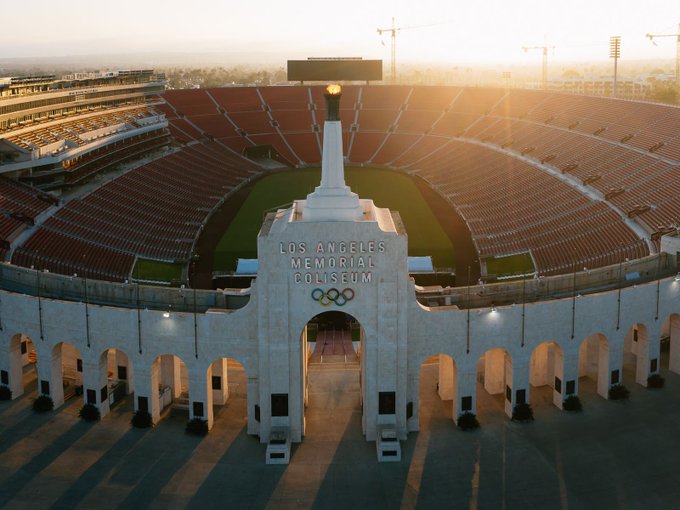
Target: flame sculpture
x=333 y=95
x=333 y=89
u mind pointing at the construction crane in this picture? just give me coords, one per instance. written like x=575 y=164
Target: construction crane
x=677 y=51
x=393 y=34
x=544 y=71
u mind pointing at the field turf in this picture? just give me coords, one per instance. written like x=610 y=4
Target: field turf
x=512 y=264
x=388 y=189
x=154 y=270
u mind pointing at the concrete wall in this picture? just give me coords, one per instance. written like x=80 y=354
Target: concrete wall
x=393 y=353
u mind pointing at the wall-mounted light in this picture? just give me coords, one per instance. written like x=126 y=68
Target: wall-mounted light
x=493 y=308
x=166 y=313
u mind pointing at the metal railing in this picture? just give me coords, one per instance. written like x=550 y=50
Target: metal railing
x=126 y=295
x=529 y=290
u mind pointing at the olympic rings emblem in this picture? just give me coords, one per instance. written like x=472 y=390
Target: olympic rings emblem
x=339 y=297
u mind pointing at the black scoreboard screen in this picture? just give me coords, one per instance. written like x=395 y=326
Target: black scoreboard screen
x=335 y=70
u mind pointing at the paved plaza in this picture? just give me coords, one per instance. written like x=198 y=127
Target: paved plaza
x=612 y=455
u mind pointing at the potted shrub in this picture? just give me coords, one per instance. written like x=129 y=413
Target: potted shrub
x=89 y=412
x=655 y=381
x=618 y=392
x=572 y=403
x=197 y=427
x=522 y=413
x=43 y=403
x=467 y=421
x=141 y=420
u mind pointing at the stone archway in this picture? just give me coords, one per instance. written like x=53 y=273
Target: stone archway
x=594 y=363
x=546 y=370
x=332 y=374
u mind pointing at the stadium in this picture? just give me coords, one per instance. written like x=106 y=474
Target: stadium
x=561 y=213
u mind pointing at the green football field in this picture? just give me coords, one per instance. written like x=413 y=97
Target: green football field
x=388 y=189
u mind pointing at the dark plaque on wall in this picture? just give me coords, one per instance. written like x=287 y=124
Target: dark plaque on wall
x=216 y=382
x=558 y=384
x=143 y=404
x=386 y=402
x=279 y=404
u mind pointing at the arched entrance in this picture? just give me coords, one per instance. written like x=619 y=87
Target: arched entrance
x=670 y=343
x=67 y=373
x=494 y=373
x=438 y=402
x=114 y=371
x=546 y=374
x=636 y=355
x=227 y=395
x=169 y=384
x=21 y=368
x=593 y=364
x=332 y=375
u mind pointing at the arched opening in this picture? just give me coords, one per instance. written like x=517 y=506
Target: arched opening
x=20 y=372
x=494 y=375
x=636 y=362
x=670 y=344
x=66 y=374
x=332 y=375
x=227 y=394
x=169 y=386
x=593 y=366
x=115 y=371
x=438 y=401
x=546 y=374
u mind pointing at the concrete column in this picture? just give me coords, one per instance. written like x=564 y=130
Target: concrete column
x=147 y=390
x=50 y=372
x=170 y=374
x=446 y=381
x=95 y=379
x=200 y=395
x=566 y=369
x=252 y=401
x=466 y=392
x=517 y=382
x=370 y=390
x=674 y=354
x=642 y=362
x=494 y=371
x=218 y=369
x=413 y=423
x=609 y=365
x=10 y=362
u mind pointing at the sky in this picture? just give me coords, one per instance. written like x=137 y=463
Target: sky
x=434 y=31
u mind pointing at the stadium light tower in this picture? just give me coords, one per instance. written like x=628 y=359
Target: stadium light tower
x=544 y=70
x=677 y=51
x=615 y=53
